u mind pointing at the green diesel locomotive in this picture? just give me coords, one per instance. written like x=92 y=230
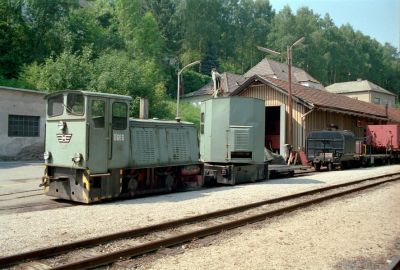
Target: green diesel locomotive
x=95 y=152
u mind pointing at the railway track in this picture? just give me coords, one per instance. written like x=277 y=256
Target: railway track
x=21 y=192
x=105 y=250
x=14 y=202
x=28 y=201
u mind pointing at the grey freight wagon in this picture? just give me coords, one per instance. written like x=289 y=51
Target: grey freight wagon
x=330 y=148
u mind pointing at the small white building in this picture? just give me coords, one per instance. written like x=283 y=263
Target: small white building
x=22 y=123
x=365 y=91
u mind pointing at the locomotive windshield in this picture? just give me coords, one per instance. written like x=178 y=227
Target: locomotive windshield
x=75 y=104
x=55 y=105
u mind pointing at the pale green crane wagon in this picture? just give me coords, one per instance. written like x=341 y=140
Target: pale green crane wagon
x=232 y=140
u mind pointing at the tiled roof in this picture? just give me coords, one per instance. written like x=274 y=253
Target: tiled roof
x=394 y=114
x=204 y=90
x=229 y=83
x=271 y=68
x=356 y=86
x=326 y=100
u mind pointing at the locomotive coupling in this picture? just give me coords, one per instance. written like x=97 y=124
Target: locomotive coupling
x=45 y=181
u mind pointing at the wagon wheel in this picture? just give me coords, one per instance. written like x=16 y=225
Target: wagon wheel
x=317 y=166
x=330 y=166
x=132 y=186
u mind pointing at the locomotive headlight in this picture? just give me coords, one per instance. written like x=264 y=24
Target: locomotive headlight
x=62 y=125
x=77 y=158
x=46 y=155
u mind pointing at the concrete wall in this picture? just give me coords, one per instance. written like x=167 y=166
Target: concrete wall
x=196 y=100
x=15 y=101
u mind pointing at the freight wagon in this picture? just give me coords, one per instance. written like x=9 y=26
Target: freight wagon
x=340 y=148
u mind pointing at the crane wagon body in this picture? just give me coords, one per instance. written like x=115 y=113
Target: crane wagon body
x=232 y=140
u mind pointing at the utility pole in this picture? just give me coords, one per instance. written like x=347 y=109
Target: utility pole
x=177 y=118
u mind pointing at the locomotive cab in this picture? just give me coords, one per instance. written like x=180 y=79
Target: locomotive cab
x=87 y=133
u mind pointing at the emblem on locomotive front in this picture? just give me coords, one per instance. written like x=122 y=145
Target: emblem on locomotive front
x=64 y=138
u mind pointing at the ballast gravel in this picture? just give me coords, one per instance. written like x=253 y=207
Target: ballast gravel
x=26 y=231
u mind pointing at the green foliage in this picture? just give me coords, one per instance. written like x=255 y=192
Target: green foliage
x=148 y=42
x=192 y=81
x=14 y=39
x=187 y=112
x=190 y=113
x=91 y=26
x=209 y=60
x=14 y=83
x=68 y=71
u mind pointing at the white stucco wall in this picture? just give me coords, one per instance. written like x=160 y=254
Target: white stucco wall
x=21 y=102
x=196 y=100
x=369 y=96
x=384 y=99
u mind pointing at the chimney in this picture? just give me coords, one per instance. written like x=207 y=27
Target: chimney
x=144 y=108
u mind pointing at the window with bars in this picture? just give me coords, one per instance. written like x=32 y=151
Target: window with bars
x=23 y=126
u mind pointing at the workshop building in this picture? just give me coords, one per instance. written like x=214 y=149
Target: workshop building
x=22 y=123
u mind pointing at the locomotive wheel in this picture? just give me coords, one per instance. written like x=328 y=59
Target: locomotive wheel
x=343 y=165
x=169 y=182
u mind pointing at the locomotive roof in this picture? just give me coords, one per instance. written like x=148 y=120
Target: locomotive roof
x=89 y=93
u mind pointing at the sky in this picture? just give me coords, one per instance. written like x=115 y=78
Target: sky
x=379 y=19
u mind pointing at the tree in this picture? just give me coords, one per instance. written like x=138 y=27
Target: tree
x=148 y=42
x=14 y=39
x=117 y=72
x=67 y=71
x=93 y=26
x=209 y=59
x=41 y=16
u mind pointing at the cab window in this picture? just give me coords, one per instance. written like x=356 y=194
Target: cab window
x=98 y=113
x=119 y=115
x=55 y=105
x=75 y=104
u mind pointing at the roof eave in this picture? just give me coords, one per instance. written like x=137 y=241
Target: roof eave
x=354 y=113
